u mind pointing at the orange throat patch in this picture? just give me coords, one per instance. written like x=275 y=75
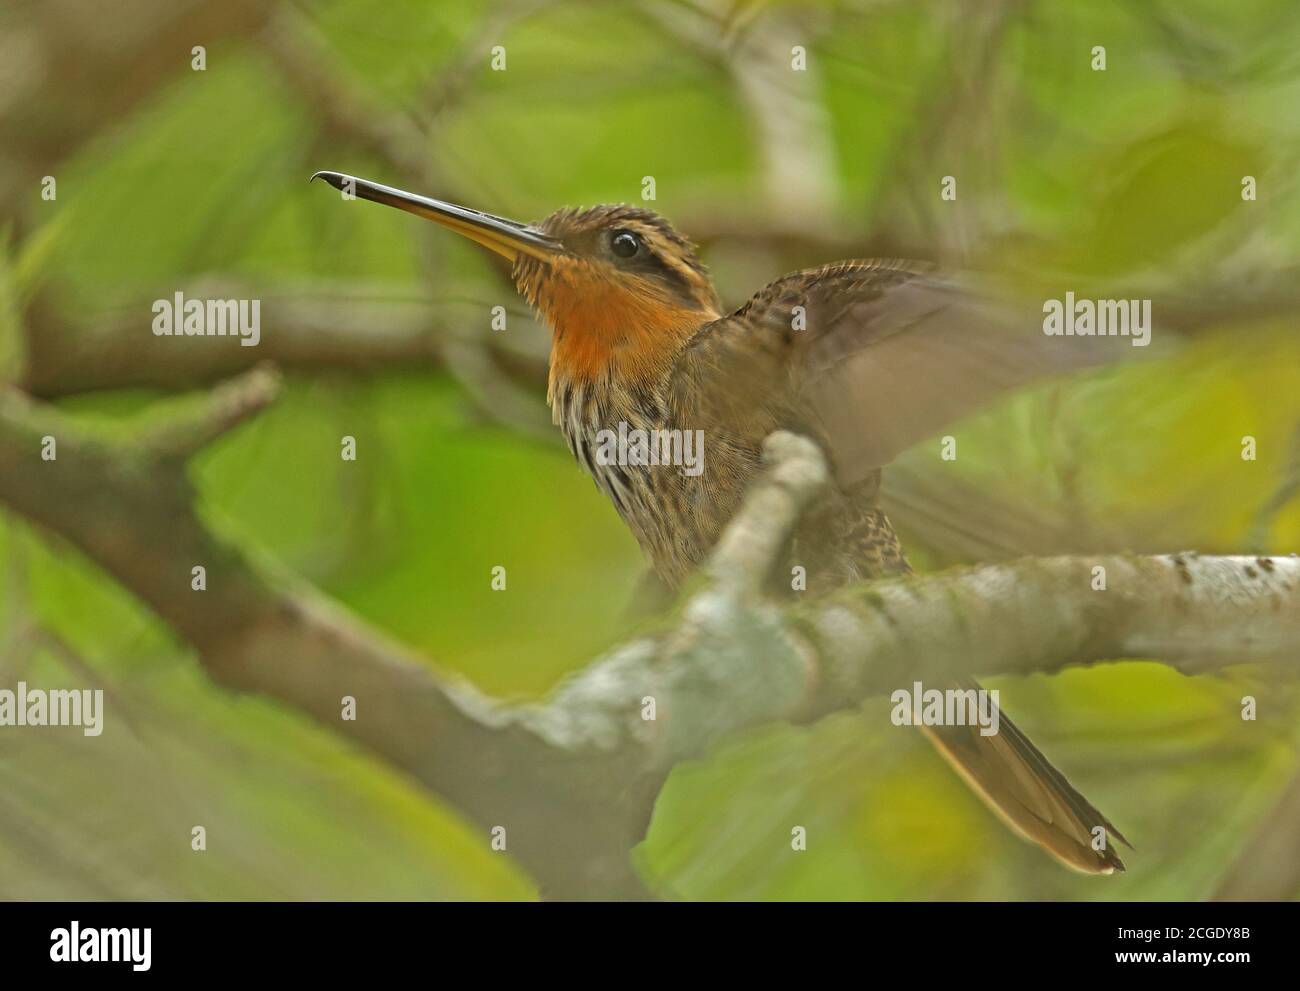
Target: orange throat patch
x=608 y=329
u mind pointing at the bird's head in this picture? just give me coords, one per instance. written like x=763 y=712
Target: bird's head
x=620 y=289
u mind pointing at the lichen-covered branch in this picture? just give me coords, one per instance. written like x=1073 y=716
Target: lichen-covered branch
x=573 y=778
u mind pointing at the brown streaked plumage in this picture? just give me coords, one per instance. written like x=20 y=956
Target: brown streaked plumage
x=865 y=357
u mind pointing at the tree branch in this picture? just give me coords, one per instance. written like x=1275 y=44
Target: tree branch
x=227 y=406
x=573 y=778
x=70 y=78
x=314 y=328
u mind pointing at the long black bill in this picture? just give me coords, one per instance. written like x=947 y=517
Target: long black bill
x=506 y=237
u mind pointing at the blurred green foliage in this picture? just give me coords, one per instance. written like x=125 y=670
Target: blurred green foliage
x=1130 y=170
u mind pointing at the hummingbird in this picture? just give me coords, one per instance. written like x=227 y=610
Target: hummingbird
x=865 y=357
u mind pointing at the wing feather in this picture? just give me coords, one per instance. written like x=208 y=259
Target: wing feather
x=871 y=357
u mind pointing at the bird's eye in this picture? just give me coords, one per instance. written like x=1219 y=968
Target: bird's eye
x=625 y=244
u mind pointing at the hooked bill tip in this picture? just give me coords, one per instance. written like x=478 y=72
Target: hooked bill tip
x=335 y=179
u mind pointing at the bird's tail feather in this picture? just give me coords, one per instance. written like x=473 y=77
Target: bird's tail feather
x=1029 y=794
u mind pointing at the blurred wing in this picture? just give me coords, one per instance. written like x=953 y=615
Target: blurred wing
x=873 y=356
